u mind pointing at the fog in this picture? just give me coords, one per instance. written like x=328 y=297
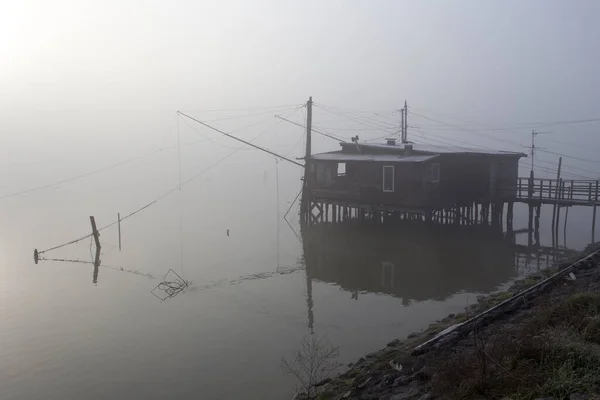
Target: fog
x=87 y=85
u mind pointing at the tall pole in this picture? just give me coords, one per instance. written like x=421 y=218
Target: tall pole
x=308 y=127
x=405 y=137
x=533 y=133
x=402 y=125
x=304 y=202
x=555 y=238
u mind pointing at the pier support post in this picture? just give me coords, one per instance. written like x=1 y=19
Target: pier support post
x=530 y=226
x=537 y=224
x=594 y=225
x=509 y=216
x=594 y=215
x=559 y=195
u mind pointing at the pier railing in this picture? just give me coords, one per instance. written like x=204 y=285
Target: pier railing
x=562 y=192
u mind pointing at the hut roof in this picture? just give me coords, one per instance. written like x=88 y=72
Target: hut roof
x=428 y=149
x=340 y=156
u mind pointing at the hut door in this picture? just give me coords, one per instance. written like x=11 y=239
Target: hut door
x=388 y=178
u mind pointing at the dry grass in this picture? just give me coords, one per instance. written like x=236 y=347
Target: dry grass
x=554 y=353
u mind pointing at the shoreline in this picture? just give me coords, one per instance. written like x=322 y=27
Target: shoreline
x=398 y=372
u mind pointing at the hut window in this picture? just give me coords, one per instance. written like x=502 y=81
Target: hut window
x=341 y=169
x=388 y=178
x=435 y=173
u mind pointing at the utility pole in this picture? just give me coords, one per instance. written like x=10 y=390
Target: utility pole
x=402 y=124
x=308 y=127
x=533 y=135
x=405 y=124
x=304 y=202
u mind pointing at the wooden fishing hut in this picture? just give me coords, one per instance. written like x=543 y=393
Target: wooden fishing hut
x=411 y=181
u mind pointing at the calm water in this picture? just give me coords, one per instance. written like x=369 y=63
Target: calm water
x=254 y=293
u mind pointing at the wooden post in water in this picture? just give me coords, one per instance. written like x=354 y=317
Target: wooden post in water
x=530 y=198
x=537 y=224
x=96 y=235
x=565 y=227
x=559 y=191
x=554 y=237
x=119 y=224
x=95 y=232
x=569 y=197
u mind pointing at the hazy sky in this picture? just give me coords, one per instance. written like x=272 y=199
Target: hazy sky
x=113 y=73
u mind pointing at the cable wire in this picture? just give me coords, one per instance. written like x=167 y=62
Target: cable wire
x=176 y=188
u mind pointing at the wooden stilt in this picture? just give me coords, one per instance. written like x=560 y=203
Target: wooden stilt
x=537 y=225
x=509 y=217
x=565 y=227
x=530 y=226
x=594 y=225
x=557 y=221
x=556 y=206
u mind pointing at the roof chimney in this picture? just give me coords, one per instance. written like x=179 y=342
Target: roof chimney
x=391 y=141
x=408 y=147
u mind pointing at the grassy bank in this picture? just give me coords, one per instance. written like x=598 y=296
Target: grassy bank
x=549 y=347
x=553 y=352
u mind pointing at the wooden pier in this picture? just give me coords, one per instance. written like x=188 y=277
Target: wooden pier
x=559 y=193
x=534 y=193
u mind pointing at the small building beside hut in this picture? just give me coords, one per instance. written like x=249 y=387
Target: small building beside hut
x=412 y=177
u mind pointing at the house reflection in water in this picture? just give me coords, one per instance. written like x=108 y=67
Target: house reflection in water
x=413 y=262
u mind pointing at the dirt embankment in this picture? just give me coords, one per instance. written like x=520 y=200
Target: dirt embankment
x=546 y=345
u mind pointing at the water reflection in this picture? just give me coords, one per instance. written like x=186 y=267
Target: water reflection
x=412 y=262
